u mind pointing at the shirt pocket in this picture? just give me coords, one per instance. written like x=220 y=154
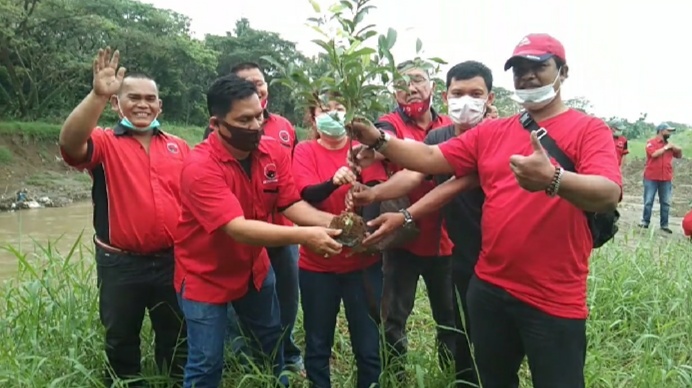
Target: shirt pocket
x=270 y=196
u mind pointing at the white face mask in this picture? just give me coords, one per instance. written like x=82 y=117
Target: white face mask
x=536 y=98
x=466 y=110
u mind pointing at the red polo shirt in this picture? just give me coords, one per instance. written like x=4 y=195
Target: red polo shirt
x=313 y=165
x=215 y=190
x=135 y=193
x=660 y=168
x=280 y=129
x=621 y=147
x=433 y=239
x=687 y=224
x=534 y=246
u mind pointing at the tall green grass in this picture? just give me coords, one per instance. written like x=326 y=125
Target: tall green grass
x=640 y=328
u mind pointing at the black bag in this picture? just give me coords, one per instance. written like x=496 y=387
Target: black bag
x=603 y=226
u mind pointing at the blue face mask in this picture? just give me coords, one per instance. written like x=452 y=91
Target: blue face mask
x=125 y=122
x=331 y=124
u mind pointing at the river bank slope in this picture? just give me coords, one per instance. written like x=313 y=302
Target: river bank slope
x=30 y=160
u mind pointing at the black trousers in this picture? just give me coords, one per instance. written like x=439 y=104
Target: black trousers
x=402 y=270
x=504 y=330
x=466 y=374
x=128 y=286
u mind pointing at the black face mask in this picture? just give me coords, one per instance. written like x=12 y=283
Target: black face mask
x=243 y=139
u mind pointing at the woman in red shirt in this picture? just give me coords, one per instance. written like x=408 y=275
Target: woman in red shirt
x=323 y=178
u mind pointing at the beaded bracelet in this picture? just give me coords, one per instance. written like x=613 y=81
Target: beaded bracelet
x=555 y=183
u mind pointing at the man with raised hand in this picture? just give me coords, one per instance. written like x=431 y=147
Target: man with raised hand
x=135 y=167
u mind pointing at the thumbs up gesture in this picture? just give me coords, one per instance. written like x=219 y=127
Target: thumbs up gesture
x=533 y=172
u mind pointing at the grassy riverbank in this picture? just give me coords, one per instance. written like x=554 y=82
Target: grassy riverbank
x=30 y=159
x=639 y=328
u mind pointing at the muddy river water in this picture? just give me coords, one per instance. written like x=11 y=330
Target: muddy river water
x=26 y=228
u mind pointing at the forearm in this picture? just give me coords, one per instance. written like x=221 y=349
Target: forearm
x=317 y=193
x=441 y=195
x=301 y=213
x=398 y=185
x=658 y=152
x=417 y=156
x=261 y=233
x=591 y=193
x=78 y=126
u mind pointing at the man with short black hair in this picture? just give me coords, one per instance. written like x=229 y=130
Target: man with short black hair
x=284 y=260
x=135 y=168
x=230 y=184
x=528 y=293
x=469 y=99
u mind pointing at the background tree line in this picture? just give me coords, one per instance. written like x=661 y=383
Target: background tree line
x=46 y=49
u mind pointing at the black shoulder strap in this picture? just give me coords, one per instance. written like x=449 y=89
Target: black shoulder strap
x=546 y=141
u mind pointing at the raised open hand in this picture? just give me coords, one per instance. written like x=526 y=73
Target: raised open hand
x=107 y=76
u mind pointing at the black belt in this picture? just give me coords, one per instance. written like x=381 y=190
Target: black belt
x=117 y=251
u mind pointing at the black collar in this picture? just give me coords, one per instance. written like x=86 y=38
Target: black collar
x=409 y=120
x=120 y=130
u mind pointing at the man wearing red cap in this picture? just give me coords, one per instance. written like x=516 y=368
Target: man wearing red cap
x=528 y=294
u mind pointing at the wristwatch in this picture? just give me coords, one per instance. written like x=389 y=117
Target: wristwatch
x=408 y=220
x=381 y=142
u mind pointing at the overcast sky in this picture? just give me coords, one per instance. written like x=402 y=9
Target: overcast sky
x=626 y=57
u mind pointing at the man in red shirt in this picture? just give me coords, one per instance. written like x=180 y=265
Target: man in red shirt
x=687 y=224
x=658 y=174
x=429 y=254
x=135 y=168
x=230 y=184
x=469 y=98
x=284 y=260
x=617 y=126
x=528 y=294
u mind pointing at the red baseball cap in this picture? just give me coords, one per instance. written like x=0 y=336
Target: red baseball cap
x=538 y=48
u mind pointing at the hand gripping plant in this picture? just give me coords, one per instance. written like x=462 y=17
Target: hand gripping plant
x=350 y=72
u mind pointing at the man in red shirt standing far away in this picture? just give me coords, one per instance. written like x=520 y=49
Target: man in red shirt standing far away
x=617 y=126
x=658 y=175
x=284 y=260
x=135 y=168
x=230 y=184
x=528 y=294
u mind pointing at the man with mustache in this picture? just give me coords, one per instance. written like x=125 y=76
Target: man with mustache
x=528 y=293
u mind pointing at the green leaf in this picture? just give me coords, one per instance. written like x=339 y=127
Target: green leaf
x=391 y=38
x=438 y=60
x=315 y=6
x=419 y=45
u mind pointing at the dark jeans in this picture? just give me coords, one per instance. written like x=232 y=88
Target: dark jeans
x=402 y=270
x=284 y=261
x=207 y=323
x=465 y=369
x=665 y=194
x=322 y=294
x=128 y=286
x=506 y=329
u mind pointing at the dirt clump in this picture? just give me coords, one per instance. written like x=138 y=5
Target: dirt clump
x=353 y=228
